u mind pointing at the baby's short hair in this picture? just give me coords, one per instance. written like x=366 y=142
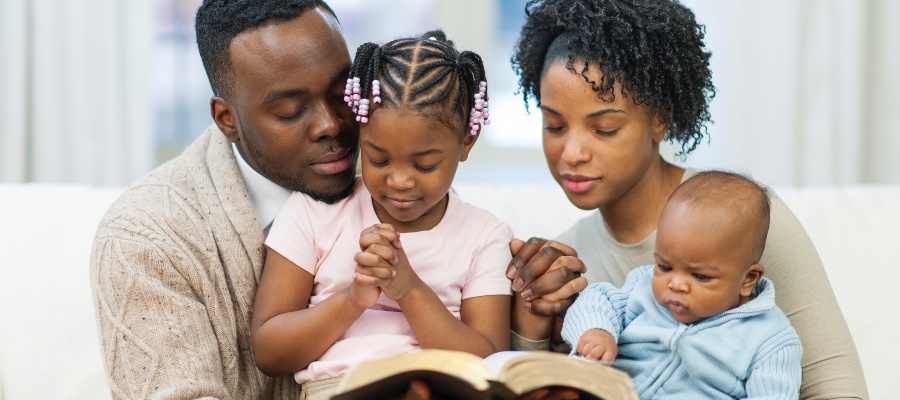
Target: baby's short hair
x=748 y=199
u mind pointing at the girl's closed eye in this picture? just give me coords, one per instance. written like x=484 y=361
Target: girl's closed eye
x=378 y=163
x=427 y=169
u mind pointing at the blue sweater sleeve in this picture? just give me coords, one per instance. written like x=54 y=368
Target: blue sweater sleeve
x=777 y=376
x=600 y=306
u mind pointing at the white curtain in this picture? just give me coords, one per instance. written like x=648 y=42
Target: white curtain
x=807 y=89
x=75 y=99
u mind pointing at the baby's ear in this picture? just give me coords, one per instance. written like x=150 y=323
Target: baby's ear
x=752 y=276
x=467 y=144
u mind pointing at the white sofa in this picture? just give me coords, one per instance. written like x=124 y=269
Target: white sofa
x=48 y=341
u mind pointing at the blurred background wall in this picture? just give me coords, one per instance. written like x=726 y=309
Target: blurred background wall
x=102 y=91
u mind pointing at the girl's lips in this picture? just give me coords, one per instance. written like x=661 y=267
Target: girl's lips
x=332 y=166
x=401 y=204
x=578 y=184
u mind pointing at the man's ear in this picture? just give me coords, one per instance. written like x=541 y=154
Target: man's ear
x=752 y=276
x=223 y=114
x=467 y=144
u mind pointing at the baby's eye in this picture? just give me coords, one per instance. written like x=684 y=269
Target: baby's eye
x=664 y=268
x=701 y=277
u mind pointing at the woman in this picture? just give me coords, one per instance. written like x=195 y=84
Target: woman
x=613 y=79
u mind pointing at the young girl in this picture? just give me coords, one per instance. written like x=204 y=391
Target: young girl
x=401 y=264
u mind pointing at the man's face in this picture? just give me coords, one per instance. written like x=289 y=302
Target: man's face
x=287 y=115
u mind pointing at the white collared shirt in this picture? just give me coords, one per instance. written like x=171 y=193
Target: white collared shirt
x=267 y=196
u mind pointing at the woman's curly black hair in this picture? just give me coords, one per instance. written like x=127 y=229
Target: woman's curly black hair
x=653 y=48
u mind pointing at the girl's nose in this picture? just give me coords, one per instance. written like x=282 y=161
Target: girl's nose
x=399 y=180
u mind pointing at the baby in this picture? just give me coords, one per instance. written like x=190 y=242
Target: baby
x=702 y=322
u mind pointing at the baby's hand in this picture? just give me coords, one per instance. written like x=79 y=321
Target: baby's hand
x=597 y=344
x=383 y=262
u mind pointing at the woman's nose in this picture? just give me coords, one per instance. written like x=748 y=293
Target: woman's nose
x=575 y=150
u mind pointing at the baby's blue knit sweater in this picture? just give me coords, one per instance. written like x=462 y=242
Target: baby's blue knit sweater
x=747 y=352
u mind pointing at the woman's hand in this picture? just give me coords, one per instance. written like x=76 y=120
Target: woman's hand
x=546 y=274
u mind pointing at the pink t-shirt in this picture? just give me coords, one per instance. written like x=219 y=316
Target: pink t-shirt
x=464 y=256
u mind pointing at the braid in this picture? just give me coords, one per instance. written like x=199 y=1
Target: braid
x=423 y=74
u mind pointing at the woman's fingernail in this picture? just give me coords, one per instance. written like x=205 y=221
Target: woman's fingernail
x=510 y=272
x=527 y=305
x=517 y=285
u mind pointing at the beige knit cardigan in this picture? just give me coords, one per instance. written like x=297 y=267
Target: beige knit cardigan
x=174 y=269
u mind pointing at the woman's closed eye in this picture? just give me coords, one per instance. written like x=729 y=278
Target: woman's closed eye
x=552 y=128
x=606 y=133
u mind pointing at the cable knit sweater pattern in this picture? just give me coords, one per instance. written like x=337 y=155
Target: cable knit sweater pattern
x=174 y=270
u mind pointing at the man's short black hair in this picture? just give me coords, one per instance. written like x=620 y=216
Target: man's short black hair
x=219 y=21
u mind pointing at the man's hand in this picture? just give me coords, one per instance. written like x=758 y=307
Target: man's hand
x=547 y=274
x=597 y=344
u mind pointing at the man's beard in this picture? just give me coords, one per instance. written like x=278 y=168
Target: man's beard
x=297 y=183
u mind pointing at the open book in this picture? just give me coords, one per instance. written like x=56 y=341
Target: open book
x=505 y=375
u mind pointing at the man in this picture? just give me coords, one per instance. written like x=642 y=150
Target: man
x=177 y=258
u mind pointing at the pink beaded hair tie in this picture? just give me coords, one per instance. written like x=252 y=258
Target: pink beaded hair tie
x=353 y=98
x=479 y=112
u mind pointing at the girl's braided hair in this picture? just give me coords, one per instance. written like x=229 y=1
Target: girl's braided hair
x=424 y=74
x=653 y=48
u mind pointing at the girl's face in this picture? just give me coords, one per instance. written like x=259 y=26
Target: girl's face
x=408 y=164
x=597 y=151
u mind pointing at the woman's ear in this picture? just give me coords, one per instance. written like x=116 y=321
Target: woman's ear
x=223 y=114
x=659 y=128
x=467 y=144
x=751 y=277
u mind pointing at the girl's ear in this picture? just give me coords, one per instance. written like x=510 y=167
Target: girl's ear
x=467 y=144
x=223 y=115
x=752 y=276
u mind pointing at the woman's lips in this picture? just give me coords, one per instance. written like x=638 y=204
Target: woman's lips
x=332 y=164
x=578 y=183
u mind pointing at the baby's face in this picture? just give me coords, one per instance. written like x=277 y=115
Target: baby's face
x=701 y=263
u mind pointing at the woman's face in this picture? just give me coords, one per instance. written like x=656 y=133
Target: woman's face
x=598 y=152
